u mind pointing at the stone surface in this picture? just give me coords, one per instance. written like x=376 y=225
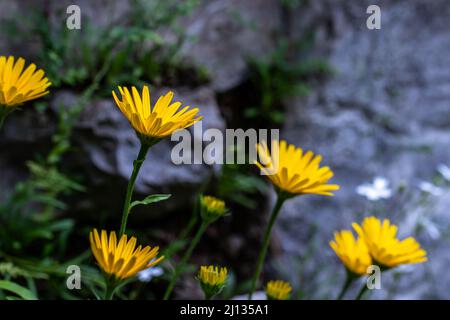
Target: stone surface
x=385 y=113
x=227 y=33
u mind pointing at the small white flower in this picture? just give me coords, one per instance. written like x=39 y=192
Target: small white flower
x=430 y=188
x=257 y=295
x=147 y=274
x=378 y=189
x=444 y=170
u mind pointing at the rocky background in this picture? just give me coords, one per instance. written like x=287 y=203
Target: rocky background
x=384 y=111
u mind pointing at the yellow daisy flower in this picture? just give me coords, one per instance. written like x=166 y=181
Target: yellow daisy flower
x=353 y=253
x=18 y=86
x=278 y=290
x=212 y=280
x=121 y=259
x=212 y=275
x=212 y=208
x=294 y=171
x=159 y=122
x=384 y=246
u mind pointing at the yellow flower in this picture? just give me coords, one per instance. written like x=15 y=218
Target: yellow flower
x=212 y=275
x=353 y=253
x=278 y=290
x=121 y=260
x=159 y=122
x=18 y=86
x=293 y=171
x=384 y=246
x=212 y=280
x=212 y=208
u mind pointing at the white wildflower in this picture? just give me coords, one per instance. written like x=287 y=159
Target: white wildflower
x=430 y=188
x=444 y=170
x=147 y=274
x=378 y=189
x=257 y=295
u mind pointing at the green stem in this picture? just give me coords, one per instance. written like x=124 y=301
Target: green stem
x=185 y=258
x=109 y=292
x=266 y=240
x=362 y=291
x=3 y=113
x=136 y=167
x=191 y=224
x=195 y=214
x=348 y=281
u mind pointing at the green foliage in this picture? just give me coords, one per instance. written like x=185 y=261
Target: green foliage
x=238 y=186
x=134 y=46
x=291 y=4
x=29 y=212
x=34 y=236
x=276 y=77
x=9 y=270
x=22 y=292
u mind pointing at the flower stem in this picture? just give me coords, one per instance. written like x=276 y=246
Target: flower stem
x=195 y=213
x=362 y=291
x=185 y=258
x=109 y=292
x=192 y=221
x=3 y=114
x=208 y=296
x=266 y=239
x=348 y=281
x=136 y=167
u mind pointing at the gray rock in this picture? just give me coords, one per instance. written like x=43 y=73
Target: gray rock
x=226 y=33
x=384 y=113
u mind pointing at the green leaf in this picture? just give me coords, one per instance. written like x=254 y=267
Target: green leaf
x=150 y=199
x=22 y=292
x=252 y=112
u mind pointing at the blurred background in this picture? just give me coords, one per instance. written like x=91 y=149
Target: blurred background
x=373 y=103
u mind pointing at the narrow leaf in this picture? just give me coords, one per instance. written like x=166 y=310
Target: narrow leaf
x=22 y=292
x=150 y=199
